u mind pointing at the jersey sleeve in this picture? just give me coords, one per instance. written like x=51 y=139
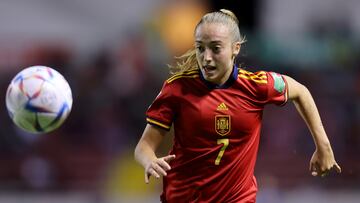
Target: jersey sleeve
x=161 y=111
x=276 y=88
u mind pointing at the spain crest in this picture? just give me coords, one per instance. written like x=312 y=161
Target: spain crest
x=222 y=124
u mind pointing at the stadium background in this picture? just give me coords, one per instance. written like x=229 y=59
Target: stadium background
x=114 y=55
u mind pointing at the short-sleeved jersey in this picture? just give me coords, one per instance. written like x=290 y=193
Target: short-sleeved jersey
x=217 y=131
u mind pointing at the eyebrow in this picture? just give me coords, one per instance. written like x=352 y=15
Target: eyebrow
x=212 y=42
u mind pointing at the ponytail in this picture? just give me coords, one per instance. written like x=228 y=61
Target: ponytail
x=185 y=62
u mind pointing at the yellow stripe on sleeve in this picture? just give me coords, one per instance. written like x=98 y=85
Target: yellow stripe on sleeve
x=255 y=79
x=186 y=74
x=182 y=76
x=158 y=123
x=259 y=77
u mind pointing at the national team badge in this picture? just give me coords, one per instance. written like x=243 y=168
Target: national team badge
x=222 y=124
x=279 y=83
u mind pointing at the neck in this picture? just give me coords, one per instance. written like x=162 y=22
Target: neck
x=229 y=79
x=226 y=77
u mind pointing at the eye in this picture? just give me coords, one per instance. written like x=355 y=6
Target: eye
x=216 y=49
x=199 y=48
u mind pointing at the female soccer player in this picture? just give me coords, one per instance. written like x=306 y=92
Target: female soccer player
x=215 y=109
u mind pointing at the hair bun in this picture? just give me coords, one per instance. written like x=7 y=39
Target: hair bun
x=231 y=14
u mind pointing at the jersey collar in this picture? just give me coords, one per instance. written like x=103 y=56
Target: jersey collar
x=227 y=84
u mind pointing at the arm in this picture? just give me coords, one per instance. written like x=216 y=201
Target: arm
x=145 y=153
x=323 y=159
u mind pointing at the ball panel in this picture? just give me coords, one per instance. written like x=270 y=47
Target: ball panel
x=15 y=99
x=48 y=121
x=31 y=86
x=26 y=120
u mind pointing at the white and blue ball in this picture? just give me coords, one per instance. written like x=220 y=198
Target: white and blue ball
x=38 y=99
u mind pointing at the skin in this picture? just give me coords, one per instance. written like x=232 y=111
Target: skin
x=323 y=160
x=215 y=54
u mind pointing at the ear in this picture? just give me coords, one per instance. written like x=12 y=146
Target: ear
x=236 y=48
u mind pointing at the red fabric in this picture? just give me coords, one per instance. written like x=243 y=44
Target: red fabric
x=195 y=109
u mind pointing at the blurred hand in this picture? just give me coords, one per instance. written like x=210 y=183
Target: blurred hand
x=158 y=167
x=322 y=162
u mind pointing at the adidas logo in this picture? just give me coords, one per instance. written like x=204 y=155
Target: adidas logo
x=222 y=107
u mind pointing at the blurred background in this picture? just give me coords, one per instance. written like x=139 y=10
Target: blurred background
x=114 y=54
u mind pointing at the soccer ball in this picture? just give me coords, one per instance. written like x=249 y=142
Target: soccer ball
x=38 y=99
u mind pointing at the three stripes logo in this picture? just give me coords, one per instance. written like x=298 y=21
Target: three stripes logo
x=222 y=107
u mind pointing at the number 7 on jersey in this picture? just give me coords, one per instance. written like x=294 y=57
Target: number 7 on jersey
x=225 y=143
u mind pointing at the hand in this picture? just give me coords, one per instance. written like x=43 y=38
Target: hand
x=158 y=167
x=322 y=162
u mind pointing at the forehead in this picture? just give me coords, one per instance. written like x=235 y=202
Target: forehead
x=208 y=32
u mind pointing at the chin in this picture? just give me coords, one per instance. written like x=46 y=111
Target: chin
x=211 y=79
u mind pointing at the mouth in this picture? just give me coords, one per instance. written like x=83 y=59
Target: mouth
x=208 y=68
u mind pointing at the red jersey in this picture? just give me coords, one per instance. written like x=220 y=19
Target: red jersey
x=217 y=130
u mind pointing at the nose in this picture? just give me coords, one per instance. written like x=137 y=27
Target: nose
x=207 y=56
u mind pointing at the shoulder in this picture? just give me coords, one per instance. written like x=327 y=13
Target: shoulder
x=255 y=78
x=190 y=74
x=260 y=83
x=175 y=84
x=260 y=77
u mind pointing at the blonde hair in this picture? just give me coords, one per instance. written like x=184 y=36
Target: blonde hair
x=188 y=60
